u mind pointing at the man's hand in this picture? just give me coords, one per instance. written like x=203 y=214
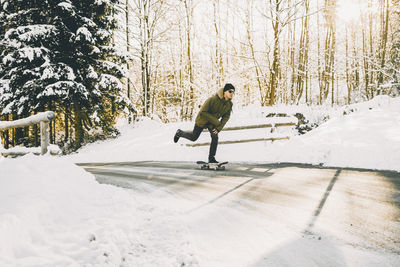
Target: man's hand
x=215 y=131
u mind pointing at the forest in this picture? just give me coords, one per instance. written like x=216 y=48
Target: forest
x=94 y=61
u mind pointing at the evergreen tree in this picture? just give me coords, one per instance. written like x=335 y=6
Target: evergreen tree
x=58 y=55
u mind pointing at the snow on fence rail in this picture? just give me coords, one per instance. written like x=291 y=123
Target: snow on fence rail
x=257 y=126
x=42 y=118
x=268 y=125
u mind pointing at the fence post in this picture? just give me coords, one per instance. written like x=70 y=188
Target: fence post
x=44 y=136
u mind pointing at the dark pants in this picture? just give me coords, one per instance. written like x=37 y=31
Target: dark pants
x=194 y=135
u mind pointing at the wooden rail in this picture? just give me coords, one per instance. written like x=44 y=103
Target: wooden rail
x=267 y=125
x=42 y=118
x=243 y=141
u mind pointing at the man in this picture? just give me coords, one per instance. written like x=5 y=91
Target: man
x=215 y=108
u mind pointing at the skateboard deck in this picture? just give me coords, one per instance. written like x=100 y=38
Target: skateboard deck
x=212 y=166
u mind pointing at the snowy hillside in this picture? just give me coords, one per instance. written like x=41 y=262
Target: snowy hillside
x=367 y=137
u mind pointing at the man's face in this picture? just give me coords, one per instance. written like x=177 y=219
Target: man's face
x=228 y=95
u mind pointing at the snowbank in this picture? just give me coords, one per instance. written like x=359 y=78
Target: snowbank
x=364 y=135
x=53 y=213
x=20 y=150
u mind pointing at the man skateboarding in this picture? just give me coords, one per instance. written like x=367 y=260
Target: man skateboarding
x=213 y=115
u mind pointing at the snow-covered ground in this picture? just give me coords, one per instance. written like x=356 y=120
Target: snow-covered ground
x=368 y=137
x=53 y=213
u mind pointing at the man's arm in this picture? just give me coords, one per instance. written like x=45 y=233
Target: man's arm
x=206 y=115
x=224 y=120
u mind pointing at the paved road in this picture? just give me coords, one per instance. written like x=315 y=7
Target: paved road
x=348 y=211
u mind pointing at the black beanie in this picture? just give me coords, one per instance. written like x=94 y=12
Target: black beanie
x=228 y=86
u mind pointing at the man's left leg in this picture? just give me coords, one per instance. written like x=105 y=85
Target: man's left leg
x=192 y=136
x=213 y=147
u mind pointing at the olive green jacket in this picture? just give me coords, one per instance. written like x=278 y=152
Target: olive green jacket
x=214 y=108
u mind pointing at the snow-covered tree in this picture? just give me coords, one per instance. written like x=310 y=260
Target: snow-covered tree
x=395 y=50
x=58 y=55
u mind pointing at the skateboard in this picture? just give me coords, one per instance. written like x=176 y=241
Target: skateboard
x=212 y=166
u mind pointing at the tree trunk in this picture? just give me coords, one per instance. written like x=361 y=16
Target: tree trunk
x=303 y=57
x=328 y=72
x=145 y=41
x=218 y=53
x=6 y=136
x=365 y=56
x=292 y=60
x=348 y=72
x=371 y=53
x=260 y=82
x=189 y=10
x=383 y=40
x=78 y=126
x=36 y=135
x=320 y=83
x=66 y=125
x=275 y=60
x=128 y=82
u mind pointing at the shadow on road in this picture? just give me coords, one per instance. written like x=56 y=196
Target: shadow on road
x=304 y=251
x=317 y=212
x=220 y=196
x=311 y=249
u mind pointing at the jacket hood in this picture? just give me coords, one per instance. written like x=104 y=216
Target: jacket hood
x=220 y=93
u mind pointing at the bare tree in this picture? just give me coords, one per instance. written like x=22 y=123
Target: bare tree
x=128 y=46
x=384 y=29
x=281 y=16
x=260 y=76
x=367 y=55
x=395 y=50
x=275 y=11
x=188 y=103
x=302 y=69
x=328 y=72
x=147 y=15
x=218 y=60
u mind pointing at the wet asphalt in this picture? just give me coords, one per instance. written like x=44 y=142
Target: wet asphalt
x=358 y=207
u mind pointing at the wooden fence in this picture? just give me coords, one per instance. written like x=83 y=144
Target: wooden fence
x=42 y=118
x=257 y=126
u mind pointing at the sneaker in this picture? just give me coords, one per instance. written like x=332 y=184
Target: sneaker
x=177 y=135
x=212 y=160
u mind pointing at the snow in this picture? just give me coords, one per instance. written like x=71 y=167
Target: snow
x=26 y=53
x=83 y=32
x=92 y=74
x=41 y=116
x=57 y=72
x=56 y=89
x=107 y=80
x=20 y=150
x=66 y=5
x=53 y=213
x=31 y=32
x=365 y=138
